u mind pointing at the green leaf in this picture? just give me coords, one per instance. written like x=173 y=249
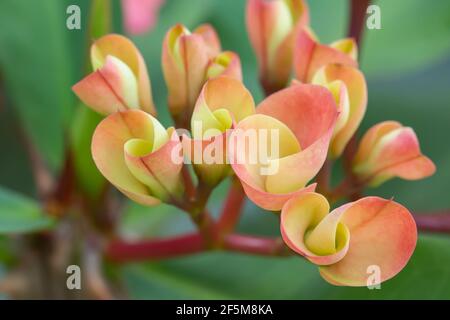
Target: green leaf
x=19 y=214
x=36 y=71
x=414 y=34
x=89 y=178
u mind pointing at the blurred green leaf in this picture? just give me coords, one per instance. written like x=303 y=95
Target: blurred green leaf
x=83 y=125
x=100 y=18
x=414 y=34
x=36 y=71
x=20 y=214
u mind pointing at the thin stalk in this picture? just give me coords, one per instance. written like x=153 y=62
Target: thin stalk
x=232 y=208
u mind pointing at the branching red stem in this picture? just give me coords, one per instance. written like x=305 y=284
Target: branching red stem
x=155 y=249
x=123 y=251
x=256 y=245
x=232 y=208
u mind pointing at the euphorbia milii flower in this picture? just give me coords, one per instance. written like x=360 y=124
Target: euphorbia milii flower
x=222 y=102
x=185 y=59
x=293 y=128
x=137 y=155
x=120 y=80
x=226 y=63
x=310 y=55
x=350 y=240
x=349 y=88
x=389 y=150
x=272 y=26
x=140 y=15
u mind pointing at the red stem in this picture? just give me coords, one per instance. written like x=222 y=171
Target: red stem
x=123 y=251
x=355 y=30
x=323 y=177
x=188 y=184
x=256 y=245
x=438 y=222
x=155 y=249
x=357 y=13
x=232 y=208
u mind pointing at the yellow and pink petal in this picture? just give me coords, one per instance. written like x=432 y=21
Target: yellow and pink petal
x=303 y=116
x=222 y=102
x=132 y=150
x=390 y=150
x=123 y=49
x=226 y=63
x=352 y=240
x=110 y=88
x=356 y=90
x=310 y=55
x=185 y=60
x=272 y=26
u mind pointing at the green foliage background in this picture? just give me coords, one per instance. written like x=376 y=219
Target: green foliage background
x=407 y=65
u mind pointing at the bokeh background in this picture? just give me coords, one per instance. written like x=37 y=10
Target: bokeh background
x=407 y=65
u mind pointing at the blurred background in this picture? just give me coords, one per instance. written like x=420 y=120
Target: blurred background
x=407 y=65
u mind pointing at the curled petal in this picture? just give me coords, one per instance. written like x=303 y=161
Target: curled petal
x=292 y=128
x=153 y=164
x=383 y=235
x=390 y=150
x=356 y=89
x=123 y=49
x=222 y=101
x=309 y=230
x=227 y=64
x=211 y=39
x=347 y=46
x=185 y=59
x=272 y=201
x=109 y=89
x=310 y=56
x=310 y=113
x=308 y=110
x=109 y=140
x=351 y=240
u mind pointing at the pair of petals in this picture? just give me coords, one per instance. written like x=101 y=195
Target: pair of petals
x=136 y=154
x=347 y=242
x=188 y=60
x=272 y=26
x=389 y=150
x=222 y=102
x=304 y=117
x=310 y=55
x=120 y=80
x=349 y=88
x=185 y=58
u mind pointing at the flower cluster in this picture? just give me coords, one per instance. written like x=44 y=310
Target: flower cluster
x=316 y=100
